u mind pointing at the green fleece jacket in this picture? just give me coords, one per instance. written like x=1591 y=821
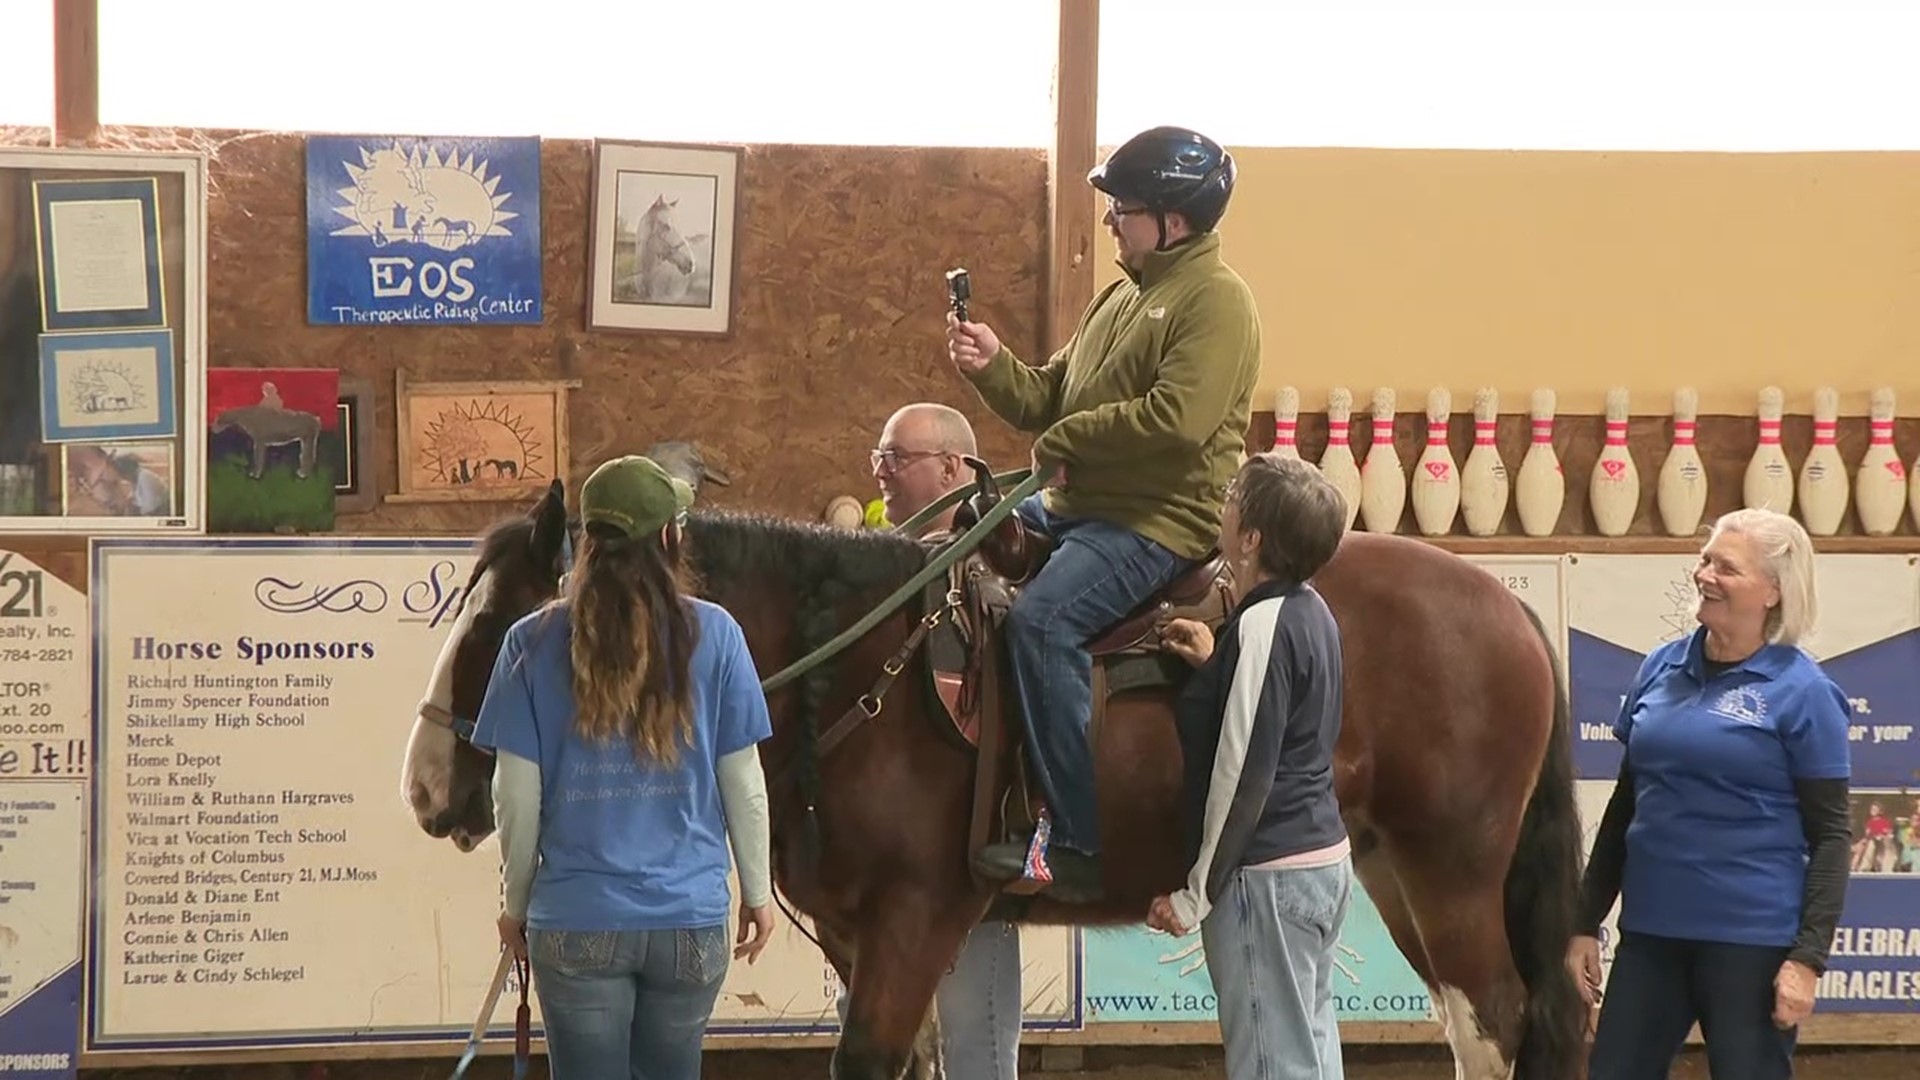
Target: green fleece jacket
x=1147 y=405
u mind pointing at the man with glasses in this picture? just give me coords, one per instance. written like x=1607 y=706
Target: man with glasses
x=918 y=461
x=1141 y=419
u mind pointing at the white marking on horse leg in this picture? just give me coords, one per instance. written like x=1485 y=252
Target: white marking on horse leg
x=426 y=776
x=1475 y=1056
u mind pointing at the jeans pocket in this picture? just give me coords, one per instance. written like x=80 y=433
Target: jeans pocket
x=700 y=955
x=573 y=952
x=1312 y=898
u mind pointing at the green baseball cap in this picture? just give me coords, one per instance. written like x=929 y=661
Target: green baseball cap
x=634 y=494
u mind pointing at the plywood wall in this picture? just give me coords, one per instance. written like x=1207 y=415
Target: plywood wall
x=841 y=298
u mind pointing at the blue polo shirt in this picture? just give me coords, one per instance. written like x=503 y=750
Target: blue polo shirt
x=624 y=844
x=1716 y=850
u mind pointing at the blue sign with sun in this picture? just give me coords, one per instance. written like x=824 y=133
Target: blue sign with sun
x=436 y=231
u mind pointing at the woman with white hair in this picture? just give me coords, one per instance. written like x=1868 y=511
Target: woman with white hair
x=1726 y=836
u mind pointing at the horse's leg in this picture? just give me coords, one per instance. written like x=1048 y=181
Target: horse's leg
x=1375 y=872
x=1478 y=995
x=890 y=1024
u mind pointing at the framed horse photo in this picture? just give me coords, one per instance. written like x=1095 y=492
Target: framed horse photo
x=665 y=237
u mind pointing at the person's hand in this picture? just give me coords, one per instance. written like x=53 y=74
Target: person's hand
x=756 y=928
x=1160 y=916
x=1188 y=639
x=1583 y=963
x=1793 y=989
x=513 y=934
x=970 y=345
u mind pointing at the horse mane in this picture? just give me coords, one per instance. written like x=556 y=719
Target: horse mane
x=733 y=548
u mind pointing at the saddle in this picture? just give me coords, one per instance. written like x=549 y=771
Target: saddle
x=969 y=659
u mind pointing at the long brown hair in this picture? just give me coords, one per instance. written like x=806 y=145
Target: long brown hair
x=632 y=643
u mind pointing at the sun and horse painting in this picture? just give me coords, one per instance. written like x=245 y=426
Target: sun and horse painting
x=270 y=436
x=480 y=441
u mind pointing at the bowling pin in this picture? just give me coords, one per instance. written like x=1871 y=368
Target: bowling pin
x=1483 y=479
x=1286 y=418
x=1880 y=486
x=1436 y=483
x=1769 y=480
x=1682 y=490
x=1337 y=460
x=1541 y=487
x=1383 y=487
x=1613 y=490
x=1823 y=476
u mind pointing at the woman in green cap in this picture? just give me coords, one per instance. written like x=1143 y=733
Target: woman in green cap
x=625 y=717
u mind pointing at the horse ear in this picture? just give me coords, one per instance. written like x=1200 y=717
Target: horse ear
x=550 y=523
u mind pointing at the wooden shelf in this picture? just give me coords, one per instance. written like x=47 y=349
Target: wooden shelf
x=1577 y=544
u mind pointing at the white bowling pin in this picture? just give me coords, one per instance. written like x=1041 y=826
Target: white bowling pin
x=1383 y=487
x=1541 y=487
x=1286 y=419
x=1436 y=483
x=1823 y=476
x=1769 y=479
x=1682 y=490
x=1613 y=491
x=1880 y=486
x=1337 y=460
x=1483 y=478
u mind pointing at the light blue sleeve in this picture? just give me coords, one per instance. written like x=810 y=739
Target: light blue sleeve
x=740 y=706
x=506 y=721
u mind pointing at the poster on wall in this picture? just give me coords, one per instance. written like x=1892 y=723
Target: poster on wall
x=45 y=758
x=1134 y=974
x=423 y=231
x=1867 y=638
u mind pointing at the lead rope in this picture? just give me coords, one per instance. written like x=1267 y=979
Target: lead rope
x=522 y=1019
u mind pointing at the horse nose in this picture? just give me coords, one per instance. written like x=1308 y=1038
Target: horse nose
x=440 y=826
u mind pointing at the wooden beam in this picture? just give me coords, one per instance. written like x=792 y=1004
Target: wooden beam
x=76 y=71
x=1070 y=214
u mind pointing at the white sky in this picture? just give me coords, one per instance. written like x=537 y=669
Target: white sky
x=1519 y=74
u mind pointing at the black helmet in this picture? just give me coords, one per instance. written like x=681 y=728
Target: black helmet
x=1170 y=168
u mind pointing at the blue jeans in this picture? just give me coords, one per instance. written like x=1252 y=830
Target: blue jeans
x=627 y=1003
x=979 y=1005
x=1660 y=986
x=1098 y=572
x=1270 y=946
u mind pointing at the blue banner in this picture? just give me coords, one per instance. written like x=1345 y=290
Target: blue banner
x=40 y=1032
x=437 y=231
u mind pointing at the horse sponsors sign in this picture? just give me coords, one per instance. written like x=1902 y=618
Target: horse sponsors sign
x=439 y=231
x=259 y=880
x=1135 y=974
x=1621 y=607
x=45 y=758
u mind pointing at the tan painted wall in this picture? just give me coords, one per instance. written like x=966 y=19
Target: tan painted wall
x=1579 y=271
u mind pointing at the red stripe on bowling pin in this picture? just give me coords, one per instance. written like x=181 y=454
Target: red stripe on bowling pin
x=1483 y=432
x=1769 y=432
x=1823 y=432
x=1543 y=432
x=1683 y=433
x=1616 y=433
x=1336 y=432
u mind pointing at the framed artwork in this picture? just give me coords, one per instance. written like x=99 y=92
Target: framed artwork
x=479 y=441
x=268 y=436
x=107 y=385
x=119 y=480
x=100 y=258
x=665 y=235
x=354 y=487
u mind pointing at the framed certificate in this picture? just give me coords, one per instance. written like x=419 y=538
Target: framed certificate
x=100 y=254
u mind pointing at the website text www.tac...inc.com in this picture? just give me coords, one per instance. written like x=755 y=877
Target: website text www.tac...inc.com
x=1156 y=1004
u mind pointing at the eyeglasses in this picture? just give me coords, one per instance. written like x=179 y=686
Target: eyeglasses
x=893 y=460
x=1119 y=211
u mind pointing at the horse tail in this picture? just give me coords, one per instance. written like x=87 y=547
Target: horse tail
x=1542 y=895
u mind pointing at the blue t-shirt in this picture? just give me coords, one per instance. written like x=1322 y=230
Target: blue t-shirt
x=1716 y=850
x=624 y=844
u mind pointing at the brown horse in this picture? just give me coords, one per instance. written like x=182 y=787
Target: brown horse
x=1453 y=768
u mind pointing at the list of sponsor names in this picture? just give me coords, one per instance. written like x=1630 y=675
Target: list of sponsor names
x=43 y=673
x=256 y=861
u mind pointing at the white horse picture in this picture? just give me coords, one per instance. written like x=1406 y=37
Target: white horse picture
x=665 y=231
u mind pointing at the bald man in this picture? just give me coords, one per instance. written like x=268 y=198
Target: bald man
x=916 y=462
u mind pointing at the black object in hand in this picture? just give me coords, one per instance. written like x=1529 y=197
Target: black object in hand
x=959 y=289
